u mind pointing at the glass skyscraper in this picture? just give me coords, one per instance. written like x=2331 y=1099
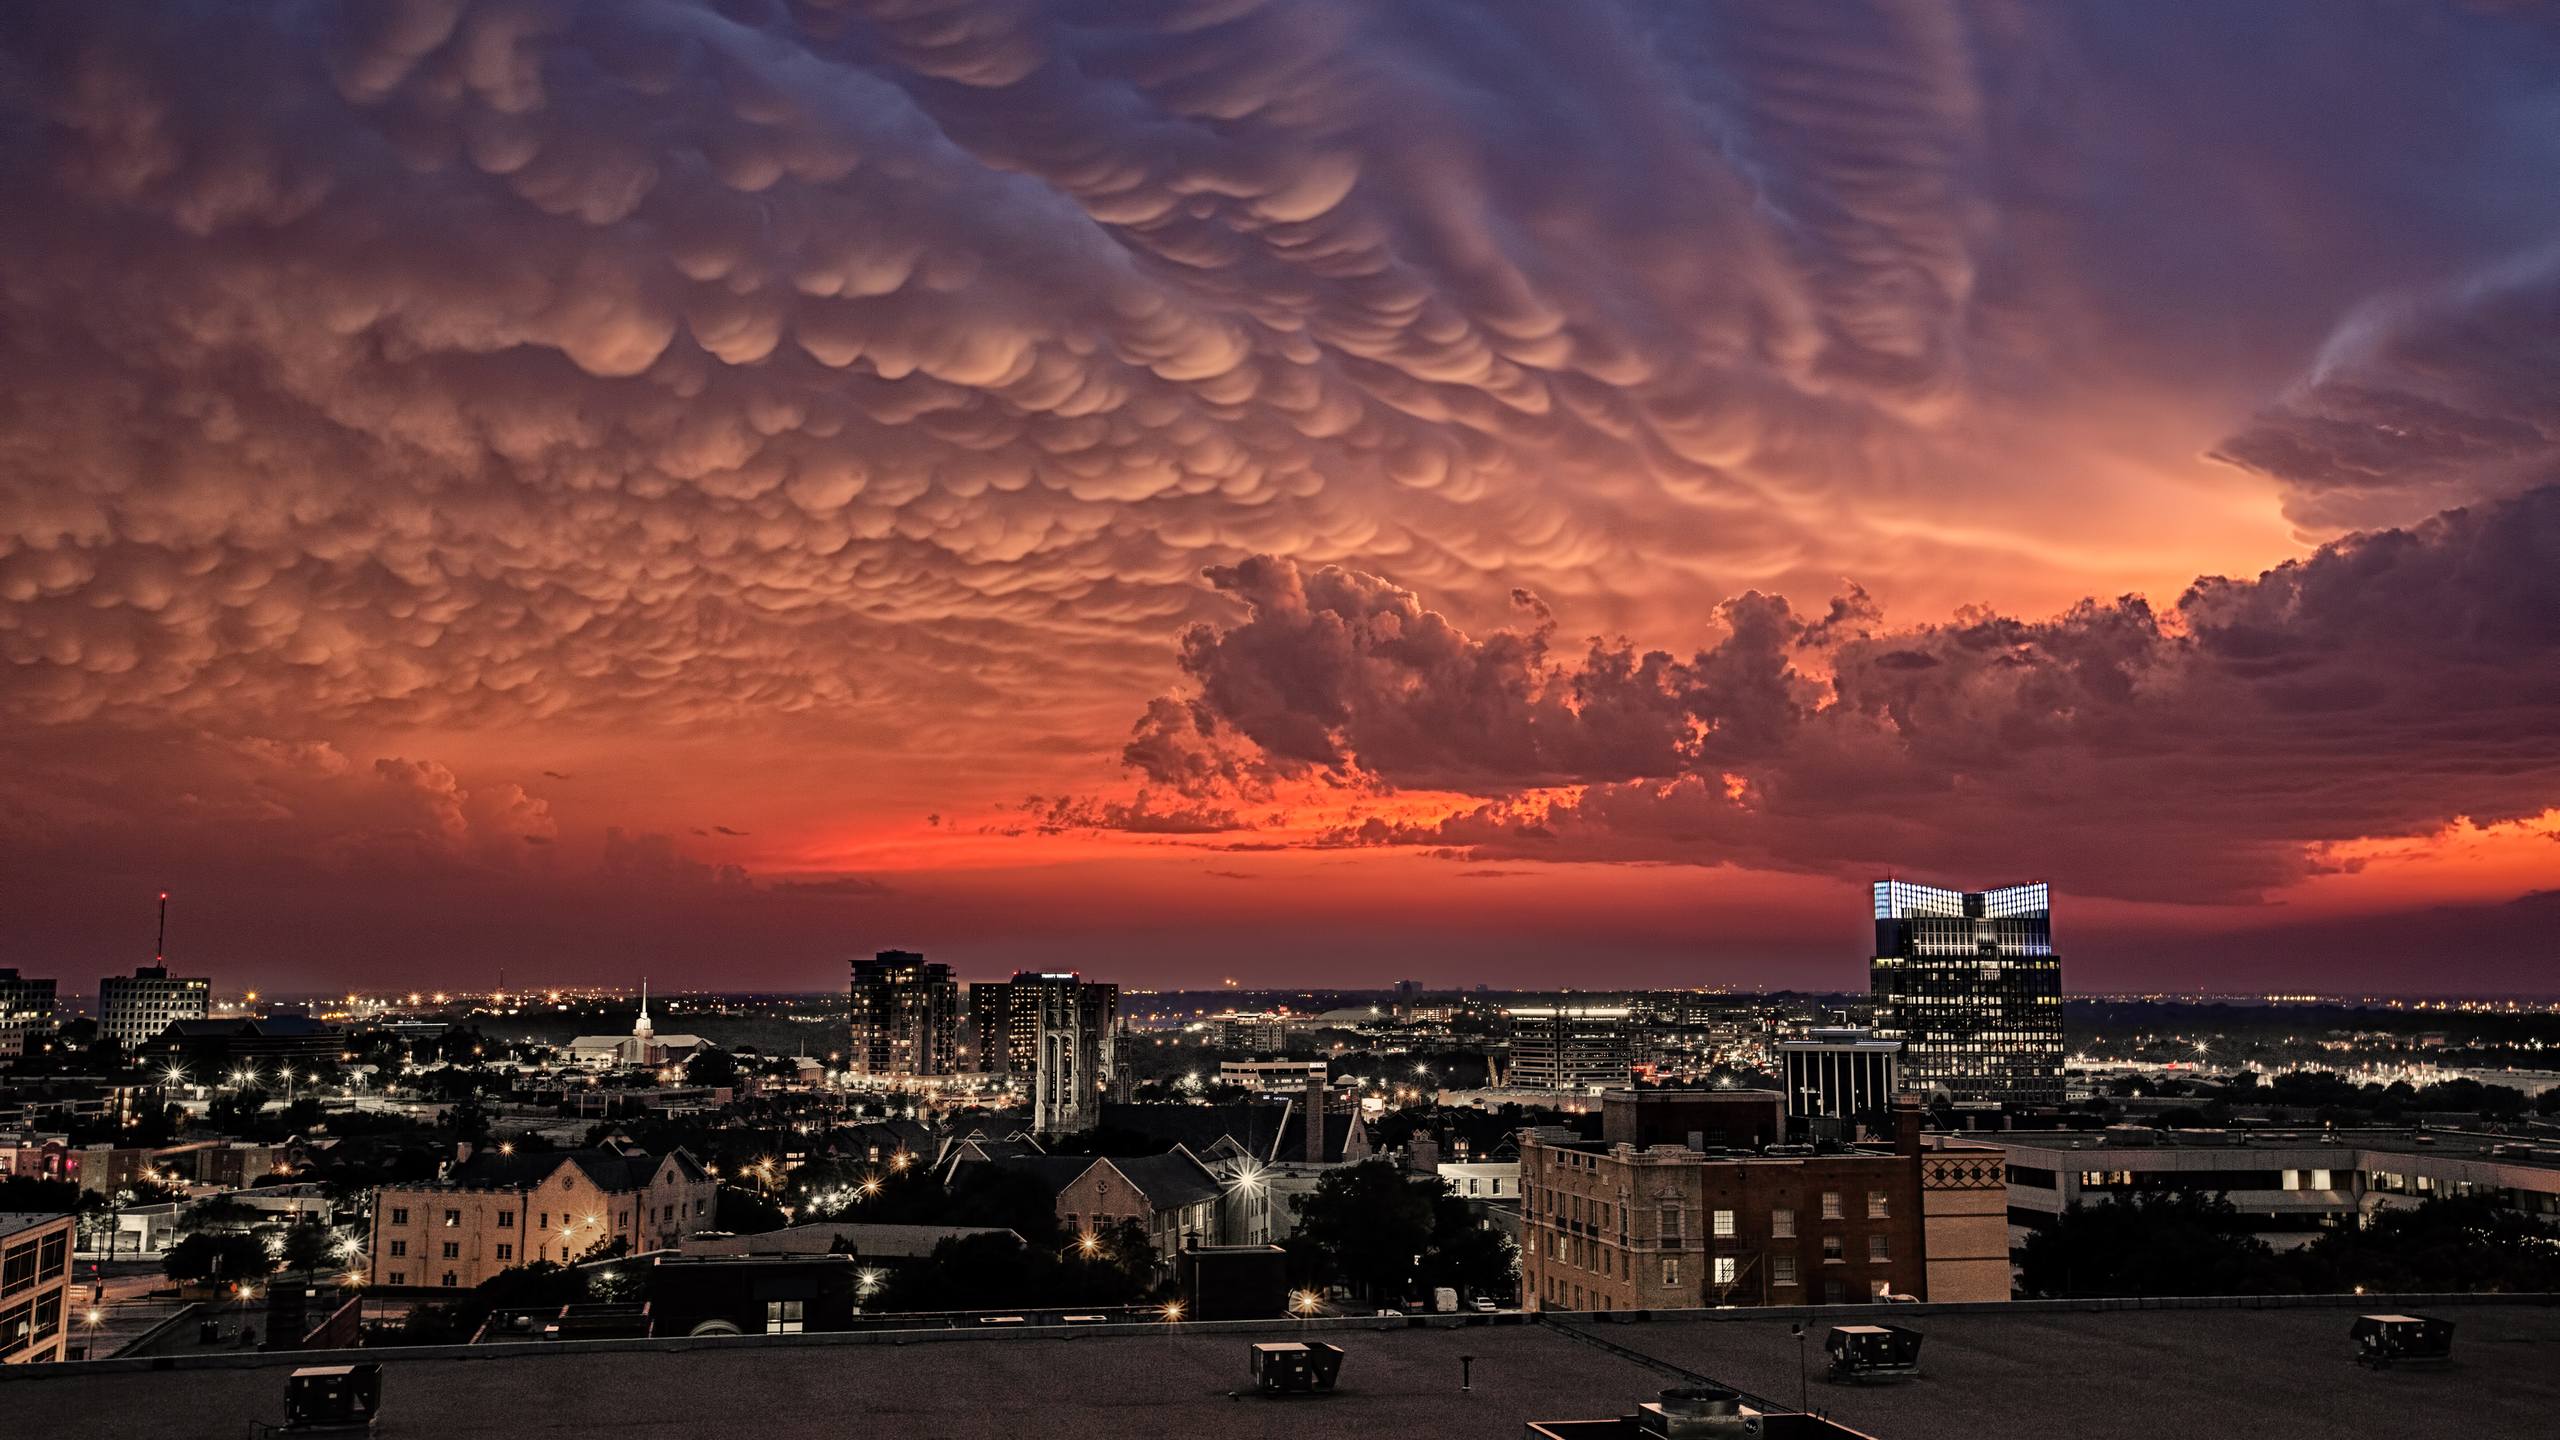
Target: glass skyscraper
x=1969 y=983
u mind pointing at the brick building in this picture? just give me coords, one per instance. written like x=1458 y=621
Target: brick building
x=35 y=1287
x=1656 y=1223
x=491 y=1212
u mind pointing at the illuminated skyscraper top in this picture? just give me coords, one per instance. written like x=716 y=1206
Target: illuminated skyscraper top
x=1968 y=980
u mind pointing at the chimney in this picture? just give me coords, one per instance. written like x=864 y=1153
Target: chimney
x=461 y=1151
x=1906 y=1124
x=1313 y=1151
x=1422 y=1154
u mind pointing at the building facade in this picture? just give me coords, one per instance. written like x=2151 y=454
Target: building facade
x=26 y=1012
x=906 y=1018
x=35 y=1287
x=2289 y=1185
x=492 y=1212
x=1969 y=982
x=1571 y=1047
x=1842 y=1074
x=134 y=1009
x=1615 y=1227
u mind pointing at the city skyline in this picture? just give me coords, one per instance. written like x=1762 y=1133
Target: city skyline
x=1308 y=493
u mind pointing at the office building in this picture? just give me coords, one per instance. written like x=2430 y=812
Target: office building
x=2287 y=1185
x=35 y=1287
x=491 y=1212
x=1842 y=1075
x=26 y=1012
x=1571 y=1047
x=1969 y=983
x=134 y=1009
x=906 y=1018
x=1056 y=1032
x=1275 y=1077
x=1263 y=1034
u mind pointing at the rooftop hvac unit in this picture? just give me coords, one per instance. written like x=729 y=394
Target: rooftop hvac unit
x=2384 y=1340
x=1699 y=1412
x=321 y=1398
x=1291 y=1368
x=1873 y=1352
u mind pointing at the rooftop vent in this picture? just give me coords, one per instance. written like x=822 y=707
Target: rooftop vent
x=1687 y=1411
x=332 y=1397
x=1290 y=1367
x=2386 y=1340
x=1873 y=1352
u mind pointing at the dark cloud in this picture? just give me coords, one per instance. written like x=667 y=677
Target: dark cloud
x=2389 y=685
x=1147 y=814
x=2422 y=401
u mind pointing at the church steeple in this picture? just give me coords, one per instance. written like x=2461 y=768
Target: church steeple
x=640 y=1029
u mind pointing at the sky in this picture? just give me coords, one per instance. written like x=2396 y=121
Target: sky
x=1291 y=491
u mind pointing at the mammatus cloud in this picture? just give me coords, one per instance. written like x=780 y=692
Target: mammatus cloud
x=2390 y=684
x=854 y=389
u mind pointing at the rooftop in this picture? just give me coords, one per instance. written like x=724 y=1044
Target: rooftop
x=2401 y=1140
x=2021 y=1369
x=13 y=1221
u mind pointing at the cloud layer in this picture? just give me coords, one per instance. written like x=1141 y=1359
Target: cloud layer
x=794 y=418
x=2392 y=684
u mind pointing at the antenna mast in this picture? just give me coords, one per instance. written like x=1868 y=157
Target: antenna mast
x=160 y=945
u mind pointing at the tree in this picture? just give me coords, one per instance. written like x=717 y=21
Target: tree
x=209 y=1257
x=712 y=1067
x=308 y=1247
x=2153 y=1243
x=741 y=1211
x=1370 y=1226
x=2461 y=1244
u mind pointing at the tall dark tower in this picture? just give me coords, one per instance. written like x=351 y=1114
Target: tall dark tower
x=1969 y=982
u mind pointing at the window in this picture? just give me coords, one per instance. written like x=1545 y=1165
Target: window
x=399 y=1277
x=1782 y=1269
x=506 y=1219
x=399 y=1248
x=506 y=1251
x=1876 y=1205
x=399 y=1215
x=782 y=1317
x=1671 y=1222
x=1724 y=1224
x=1782 y=1224
x=1830 y=1204
x=1725 y=1269
x=56 y=1257
x=1831 y=1253
x=452 y=1218
x=18 y=1272
x=1671 y=1271
x=546 y=1221
x=1876 y=1252
x=450 y=1281
x=453 y=1249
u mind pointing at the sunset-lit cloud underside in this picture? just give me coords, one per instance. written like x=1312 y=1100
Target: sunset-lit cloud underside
x=1305 y=490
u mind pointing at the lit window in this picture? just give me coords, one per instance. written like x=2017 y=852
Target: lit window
x=1877 y=1205
x=1725 y=1269
x=1724 y=1223
x=782 y=1317
x=1830 y=1204
x=1782 y=1224
x=1671 y=1272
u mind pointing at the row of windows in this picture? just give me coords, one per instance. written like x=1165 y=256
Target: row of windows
x=34 y=1262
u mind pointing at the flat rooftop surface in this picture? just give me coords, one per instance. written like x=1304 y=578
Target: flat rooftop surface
x=2144 y=1374
x=2087 y=1374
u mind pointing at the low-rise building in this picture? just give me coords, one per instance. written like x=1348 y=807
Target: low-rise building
x=2291 y=1184
x=35 y=1286
x=491 y=1211
x=26 y=1011
x=1662 y=1214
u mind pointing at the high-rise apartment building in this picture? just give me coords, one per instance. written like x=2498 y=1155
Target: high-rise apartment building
x=906 y=1017
x=1055 y=1030
x=1571 y=1047
x=133 y=1009
x=26 y=1012
x=1969 y=982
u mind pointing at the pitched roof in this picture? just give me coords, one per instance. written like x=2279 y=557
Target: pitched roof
x=1169 y=1181
x=1254 y=1126
x=612 y=1170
